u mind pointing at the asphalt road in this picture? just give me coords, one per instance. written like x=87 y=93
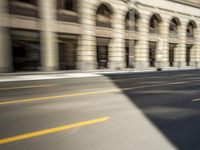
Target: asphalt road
x=149 y=111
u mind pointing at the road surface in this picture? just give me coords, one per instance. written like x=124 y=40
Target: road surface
x=159 y=110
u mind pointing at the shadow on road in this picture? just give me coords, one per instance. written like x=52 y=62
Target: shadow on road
x=169 y=108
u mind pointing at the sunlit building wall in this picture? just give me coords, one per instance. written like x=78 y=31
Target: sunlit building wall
x=49 y=35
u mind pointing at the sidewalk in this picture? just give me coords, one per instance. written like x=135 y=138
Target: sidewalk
x=31 y=76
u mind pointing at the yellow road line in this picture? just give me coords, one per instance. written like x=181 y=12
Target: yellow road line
x=54 y=97
x=27 y=87
x=51 y=130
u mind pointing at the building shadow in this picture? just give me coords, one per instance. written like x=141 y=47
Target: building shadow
x=170 y=109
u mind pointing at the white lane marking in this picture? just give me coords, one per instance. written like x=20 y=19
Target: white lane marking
x=196 y=100
x=177 y=83
x=180 y=75
x=196 y=78
x=164 y=91
x=153 y=82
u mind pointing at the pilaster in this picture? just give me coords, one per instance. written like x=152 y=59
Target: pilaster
x=180 y=53
x=195 y=51
x=86 y=54
x=162 y=58
x=198 y=46
x=49 y=45
x=142 y=47
x=117 y=44
x=5 y=49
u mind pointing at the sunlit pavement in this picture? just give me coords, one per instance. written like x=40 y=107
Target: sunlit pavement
x=159 y=110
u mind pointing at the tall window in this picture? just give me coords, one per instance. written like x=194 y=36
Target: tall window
x=173 y=27
x=104 y=16
x=190 y=29
x=131 y=21
x=154 y=24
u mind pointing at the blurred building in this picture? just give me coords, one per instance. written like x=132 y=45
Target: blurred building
x=98 y=34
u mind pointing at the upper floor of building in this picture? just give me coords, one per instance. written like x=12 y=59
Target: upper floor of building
x=105 y=15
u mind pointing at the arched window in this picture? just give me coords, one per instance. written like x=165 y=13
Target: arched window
x=173 y=27
x=131 y=20
x=104 y=16
x=154 y=24
x=190 y=29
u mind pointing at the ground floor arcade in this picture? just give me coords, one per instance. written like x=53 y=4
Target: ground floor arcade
x=27 y=53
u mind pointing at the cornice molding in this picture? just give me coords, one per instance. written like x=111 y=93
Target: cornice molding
x=188 y=3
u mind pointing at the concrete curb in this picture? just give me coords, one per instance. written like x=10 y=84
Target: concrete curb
x=32 y=76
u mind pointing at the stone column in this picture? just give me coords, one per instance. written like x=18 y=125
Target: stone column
x=198 y=46
x=5 y=49
x=162 y=58
x=195 y=51
x=86 y=54
x=180 y=53
x=142 y=46
x=49 y=45
x=117 y=44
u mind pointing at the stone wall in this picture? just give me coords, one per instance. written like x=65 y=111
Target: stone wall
x=88 y=33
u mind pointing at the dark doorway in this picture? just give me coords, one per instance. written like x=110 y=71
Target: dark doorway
x=102 y=56
x=127 y=57
x=102 y=52
x=26 y=55
x=171 y=54
x=129 y=53
x=152 y=53
x=188 y=54
x=62 y=53
x=25 y=50
x=67 y=53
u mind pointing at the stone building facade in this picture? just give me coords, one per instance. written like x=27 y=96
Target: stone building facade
x=53 y=35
